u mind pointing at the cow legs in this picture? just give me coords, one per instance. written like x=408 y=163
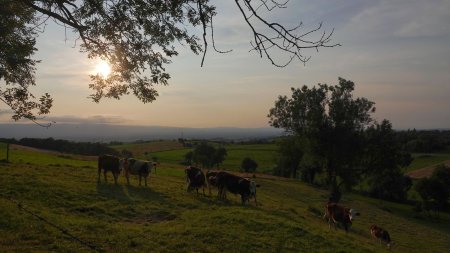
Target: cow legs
x=116 y=175
x=140 y=178
x=99 y=172
x=243 y=198
x=145 y=180
x=127 y=175
x=104 y=174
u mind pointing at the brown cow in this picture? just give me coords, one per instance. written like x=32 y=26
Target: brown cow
x=195 y=179
x=336 y=213
x=236 y=185
x=110 y=163
x=380 y=234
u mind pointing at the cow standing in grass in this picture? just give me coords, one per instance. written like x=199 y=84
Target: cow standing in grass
x=380 y=234
x=110 y=163
x=335 y=213
x=236 y=185
x=195 y=179
x=140 y=168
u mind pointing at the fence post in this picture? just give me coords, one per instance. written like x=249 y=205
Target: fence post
x=7 y=152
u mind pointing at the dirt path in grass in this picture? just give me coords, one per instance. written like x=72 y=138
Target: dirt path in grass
x=425 y=172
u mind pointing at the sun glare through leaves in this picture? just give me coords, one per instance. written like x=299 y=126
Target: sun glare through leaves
x=103 y=69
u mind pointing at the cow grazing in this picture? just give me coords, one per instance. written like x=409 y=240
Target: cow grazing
x=140 y=168
x=236 y=185
x=380 y=234
x=336 y=213
x=110 y=163
x=195 y=179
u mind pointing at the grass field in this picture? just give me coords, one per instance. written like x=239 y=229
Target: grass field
x=425 y=160
x=171 y=152
x=165 y=218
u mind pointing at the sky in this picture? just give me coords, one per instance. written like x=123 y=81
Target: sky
x=396 y=52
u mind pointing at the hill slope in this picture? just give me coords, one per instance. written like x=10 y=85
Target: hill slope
x=165 y=218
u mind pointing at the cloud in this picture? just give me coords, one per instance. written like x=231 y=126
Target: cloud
x=404 y=19
x=94 y=119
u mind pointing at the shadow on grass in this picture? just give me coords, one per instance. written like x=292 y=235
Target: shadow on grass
x=130 y=193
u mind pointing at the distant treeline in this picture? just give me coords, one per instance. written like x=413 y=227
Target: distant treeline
x=425 y=141
x=80 y=148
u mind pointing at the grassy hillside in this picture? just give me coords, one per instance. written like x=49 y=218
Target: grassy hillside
x=165 y=218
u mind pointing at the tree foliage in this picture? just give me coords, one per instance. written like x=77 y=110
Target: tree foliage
x=382 y=162
x=435 y=191
x=138 y=39
x=248 y=165
x=17 y=68
x=207 y=155
x=331 y=123
x=290 y=153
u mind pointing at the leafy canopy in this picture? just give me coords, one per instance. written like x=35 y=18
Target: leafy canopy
x=136 y=37
x=330 y=122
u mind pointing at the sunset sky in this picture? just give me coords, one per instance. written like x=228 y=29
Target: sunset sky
x=396 y=52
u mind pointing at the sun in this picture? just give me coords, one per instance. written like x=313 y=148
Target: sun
x=103 y=69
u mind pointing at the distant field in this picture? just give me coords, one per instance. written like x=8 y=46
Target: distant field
x=165 y=218
x=425 y=160
x=171 y=152
x=144 y=150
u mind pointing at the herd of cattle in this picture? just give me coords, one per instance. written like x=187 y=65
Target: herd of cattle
x=224 y=181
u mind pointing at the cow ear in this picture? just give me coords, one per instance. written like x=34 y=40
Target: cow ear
x=258 y=185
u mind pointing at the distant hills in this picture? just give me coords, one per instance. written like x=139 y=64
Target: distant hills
x=109 y=132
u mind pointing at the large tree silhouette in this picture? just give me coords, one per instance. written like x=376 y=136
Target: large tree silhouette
x=137 y=38
x=331 y=123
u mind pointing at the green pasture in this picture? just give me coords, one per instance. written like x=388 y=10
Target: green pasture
x=263 y=154
x=163 y=217
x=424 y=160
x=45 y=159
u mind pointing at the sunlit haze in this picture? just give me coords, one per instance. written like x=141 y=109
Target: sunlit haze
x=396 y=52
x=103 y=69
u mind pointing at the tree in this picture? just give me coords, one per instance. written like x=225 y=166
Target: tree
x=331 y=122
x=434 y=193
x=189 y=157
x=382 y=162
x=126 y=153
x=219 y=156
x=204 y=154
x=290 y=153
x=138 y=40
x=248 y=165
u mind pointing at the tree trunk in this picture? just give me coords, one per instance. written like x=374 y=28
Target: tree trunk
x=335 y=194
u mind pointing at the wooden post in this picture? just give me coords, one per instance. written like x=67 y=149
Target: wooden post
x=7 y=152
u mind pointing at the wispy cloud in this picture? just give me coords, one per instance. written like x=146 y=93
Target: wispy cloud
x=403 y=18
x=94 y=119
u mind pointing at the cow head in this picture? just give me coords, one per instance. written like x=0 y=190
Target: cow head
x=252 y=188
